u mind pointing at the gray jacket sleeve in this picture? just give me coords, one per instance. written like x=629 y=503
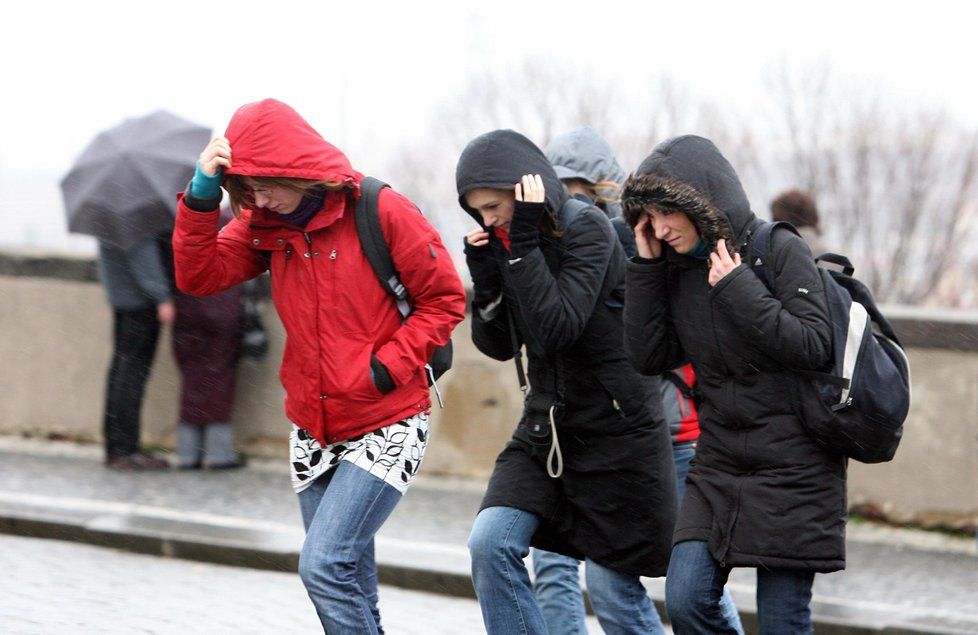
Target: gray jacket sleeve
x=145 y=262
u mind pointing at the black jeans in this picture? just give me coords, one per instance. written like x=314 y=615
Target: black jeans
x=135 y=334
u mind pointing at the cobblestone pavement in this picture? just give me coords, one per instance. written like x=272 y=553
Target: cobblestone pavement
x=48 y=586
x=918 y=573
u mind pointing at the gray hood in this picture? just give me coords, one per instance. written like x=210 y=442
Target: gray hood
x=688 y=174
x=584 y=154
x=498 y=160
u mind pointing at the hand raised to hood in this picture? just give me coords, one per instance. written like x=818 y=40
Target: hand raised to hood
x=530 y=189
x=649 y=247
x=216 y=156
x=721 y=263
x=524 y=230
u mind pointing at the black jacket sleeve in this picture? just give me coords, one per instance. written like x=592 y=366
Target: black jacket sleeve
x=650 y=336
x=490 y=330
x=555 y=309
x=792 y=324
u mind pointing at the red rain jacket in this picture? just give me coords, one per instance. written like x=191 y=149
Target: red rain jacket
x=335 y=313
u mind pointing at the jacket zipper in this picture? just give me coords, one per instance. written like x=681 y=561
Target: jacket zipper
x=312 y=272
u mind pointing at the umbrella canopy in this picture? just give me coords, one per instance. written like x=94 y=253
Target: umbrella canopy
x=123 y=186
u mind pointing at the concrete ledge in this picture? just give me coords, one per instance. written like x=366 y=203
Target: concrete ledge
x=428 y=567
x=47 y=265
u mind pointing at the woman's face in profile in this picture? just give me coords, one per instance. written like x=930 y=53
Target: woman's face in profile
x=674 y=229
x=496 y=207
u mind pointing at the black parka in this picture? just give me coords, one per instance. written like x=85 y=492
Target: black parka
x=761 y=492
x=615 y=501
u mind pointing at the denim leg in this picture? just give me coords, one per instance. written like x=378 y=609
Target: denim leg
x=694 y=585
x=729 y=611
x=336 y=563
x=557 y=586
x=682 y=454
x=783 y=596
x=499 y=541
x=620 y=602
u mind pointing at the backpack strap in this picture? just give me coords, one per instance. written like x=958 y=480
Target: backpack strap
x=673 y=378
x=761 y=254
x=374 y=245
x=625 y=236
x=841 y=262
x=570 y=210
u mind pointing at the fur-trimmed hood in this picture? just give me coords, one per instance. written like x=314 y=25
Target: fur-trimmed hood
x=689 y=175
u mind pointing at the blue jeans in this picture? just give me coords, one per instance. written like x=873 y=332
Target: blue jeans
x=682 y=454
x=499 y=542
x=342 y=510
x=557 y=586
x=558 y=590
x=695 y=581
x=619 y=600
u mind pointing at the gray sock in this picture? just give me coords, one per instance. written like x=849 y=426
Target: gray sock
x=190 y=444
x=219 y=444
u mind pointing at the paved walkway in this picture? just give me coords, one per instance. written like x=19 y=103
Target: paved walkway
x=917 y=581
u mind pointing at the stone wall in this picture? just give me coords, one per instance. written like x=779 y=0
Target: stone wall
x=56 y=345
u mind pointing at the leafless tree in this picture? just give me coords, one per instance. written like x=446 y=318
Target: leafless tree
x=543 y=100
x=893 y=181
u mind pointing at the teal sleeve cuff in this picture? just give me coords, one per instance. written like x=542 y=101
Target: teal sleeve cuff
x=204 y=186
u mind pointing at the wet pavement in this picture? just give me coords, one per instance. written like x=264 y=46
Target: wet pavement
x=62 y=587
x=917 y=581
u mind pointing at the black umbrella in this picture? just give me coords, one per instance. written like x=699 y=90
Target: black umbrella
x=123 y=186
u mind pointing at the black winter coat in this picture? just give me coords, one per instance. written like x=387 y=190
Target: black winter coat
x=761 y=492
x=615 y=502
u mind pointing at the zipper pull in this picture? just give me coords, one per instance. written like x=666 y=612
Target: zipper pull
x=332 y=255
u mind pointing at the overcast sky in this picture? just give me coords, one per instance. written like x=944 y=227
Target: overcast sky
x=368 y=74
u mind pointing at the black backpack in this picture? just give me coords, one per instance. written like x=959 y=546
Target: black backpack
x=378 y=254
x=857 y=408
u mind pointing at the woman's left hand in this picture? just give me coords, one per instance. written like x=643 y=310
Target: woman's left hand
x=530 y=189
x=721 y=263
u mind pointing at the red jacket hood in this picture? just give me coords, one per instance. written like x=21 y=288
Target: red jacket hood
x=269 y=138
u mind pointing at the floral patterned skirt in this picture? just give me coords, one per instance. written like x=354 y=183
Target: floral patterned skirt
x=392 y=453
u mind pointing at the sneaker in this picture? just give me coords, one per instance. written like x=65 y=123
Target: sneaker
x=137 y=461
x=238 y=462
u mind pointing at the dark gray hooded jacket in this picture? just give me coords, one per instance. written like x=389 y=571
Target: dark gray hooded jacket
x=761 y=492
x=584 y=154
x=615 y=501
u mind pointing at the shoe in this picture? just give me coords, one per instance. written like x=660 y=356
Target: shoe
x=238 y=462
x=137 y=461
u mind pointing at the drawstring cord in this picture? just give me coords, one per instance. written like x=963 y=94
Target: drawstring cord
x=554 y=450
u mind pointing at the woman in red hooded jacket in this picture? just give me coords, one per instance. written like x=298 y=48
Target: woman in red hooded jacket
x=353 y=370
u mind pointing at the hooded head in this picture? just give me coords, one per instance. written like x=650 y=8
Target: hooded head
x=270 y=140
x=497 y=160
x=582 y=154
x=688 y=174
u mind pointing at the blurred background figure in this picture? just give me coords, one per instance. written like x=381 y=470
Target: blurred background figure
x=122 y=190
x=798 y=208
x=141 y=294
x=207 y=341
